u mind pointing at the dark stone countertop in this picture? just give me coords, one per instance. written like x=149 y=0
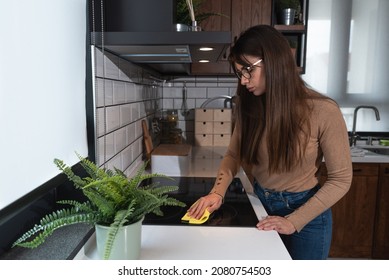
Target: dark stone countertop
x=63 y=244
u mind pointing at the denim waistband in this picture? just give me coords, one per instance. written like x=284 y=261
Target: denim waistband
x=270 y=191
x=282 y=203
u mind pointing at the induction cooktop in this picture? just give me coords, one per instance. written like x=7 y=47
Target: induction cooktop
x=235 y=212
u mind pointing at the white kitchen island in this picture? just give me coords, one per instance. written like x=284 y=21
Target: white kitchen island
x=196 y=242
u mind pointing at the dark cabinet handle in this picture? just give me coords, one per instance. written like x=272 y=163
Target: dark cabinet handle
x=357 y=170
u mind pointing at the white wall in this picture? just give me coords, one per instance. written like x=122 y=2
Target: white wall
x=42 y=91
x=347 y=57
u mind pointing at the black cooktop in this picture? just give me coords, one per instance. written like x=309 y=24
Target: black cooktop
x=235 y=212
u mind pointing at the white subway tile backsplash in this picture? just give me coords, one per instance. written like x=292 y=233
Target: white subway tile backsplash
x=198 y=92
x=199 y=102
x=130 y=89
x=138 y=129
x=99 y=89
x=125 y=114
x=112 y=118
x=172 y=92
x=138 y=92
x=167 y=103
x=127 y=157
x=115 y=162
x=100 y=122
x=179 y=81
x=177 y=103
x=130 y=133
x=135 y=111
x=119 y=92
x=120 y=139
x=227 y=81
x=108 y=92
x=109 y=144
x=111 y=69
x=206 y=82
x=99 y=63
x=143 y=108
x=232 y=91
x=214 y=92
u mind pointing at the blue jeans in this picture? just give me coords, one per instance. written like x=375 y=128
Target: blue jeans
x=314 y=240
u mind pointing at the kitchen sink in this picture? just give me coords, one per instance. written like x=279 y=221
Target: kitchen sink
x=378 y=150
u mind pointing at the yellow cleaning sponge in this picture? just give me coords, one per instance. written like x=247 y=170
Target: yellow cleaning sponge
x=187 y=219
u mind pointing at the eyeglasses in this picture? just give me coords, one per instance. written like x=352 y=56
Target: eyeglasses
x=246 y=71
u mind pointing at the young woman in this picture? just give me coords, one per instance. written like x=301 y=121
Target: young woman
x=283 y=130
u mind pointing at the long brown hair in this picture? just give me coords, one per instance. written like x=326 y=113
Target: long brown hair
x=283 y=111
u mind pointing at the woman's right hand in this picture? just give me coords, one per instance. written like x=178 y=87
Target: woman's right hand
x=211 y=202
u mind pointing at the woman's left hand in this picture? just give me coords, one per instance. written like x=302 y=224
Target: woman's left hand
x=277 y=223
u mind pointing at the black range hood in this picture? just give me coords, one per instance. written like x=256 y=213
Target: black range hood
x=144 y=32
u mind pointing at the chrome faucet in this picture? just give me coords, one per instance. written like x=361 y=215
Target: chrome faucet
x=354 y=135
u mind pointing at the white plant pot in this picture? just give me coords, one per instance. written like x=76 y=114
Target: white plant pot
x=127 y=244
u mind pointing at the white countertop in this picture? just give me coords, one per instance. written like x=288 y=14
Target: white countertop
x=196 y=242
x=205 y=242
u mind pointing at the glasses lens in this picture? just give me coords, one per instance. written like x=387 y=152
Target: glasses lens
x=246 y=72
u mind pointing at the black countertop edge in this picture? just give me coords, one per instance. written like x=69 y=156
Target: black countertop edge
x=376 y=134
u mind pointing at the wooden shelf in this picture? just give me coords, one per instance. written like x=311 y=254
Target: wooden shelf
x=290 y=28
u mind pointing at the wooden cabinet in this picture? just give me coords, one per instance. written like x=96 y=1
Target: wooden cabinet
x=242 y=14
x=381 y=229
x=239 y=15
x=353 y=215
x=361 y=217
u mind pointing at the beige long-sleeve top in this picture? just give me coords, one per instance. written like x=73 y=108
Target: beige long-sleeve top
x=328 y=138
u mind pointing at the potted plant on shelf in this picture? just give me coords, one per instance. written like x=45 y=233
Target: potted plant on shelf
x=186 y=15
x=287 y=10
x=115 y=205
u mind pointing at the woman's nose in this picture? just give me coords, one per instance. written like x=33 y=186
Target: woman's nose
x=243 y=81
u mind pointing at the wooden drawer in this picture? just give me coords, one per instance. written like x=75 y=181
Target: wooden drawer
x=204 y=127
x=221 y=139
x=203 y=139
x=204 y=115
x=365 y=169
x=203 y=153
x=221 y=127
x=222 y=115
x=384 y=169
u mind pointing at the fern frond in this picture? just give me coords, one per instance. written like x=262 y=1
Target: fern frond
x=91 y=168
x=84 y=206
x=163 y=190
x=105 y=206
x=52 y=222
x=78 y=182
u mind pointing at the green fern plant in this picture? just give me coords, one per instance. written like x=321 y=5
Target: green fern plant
x=183 y=14
x=112 y=200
